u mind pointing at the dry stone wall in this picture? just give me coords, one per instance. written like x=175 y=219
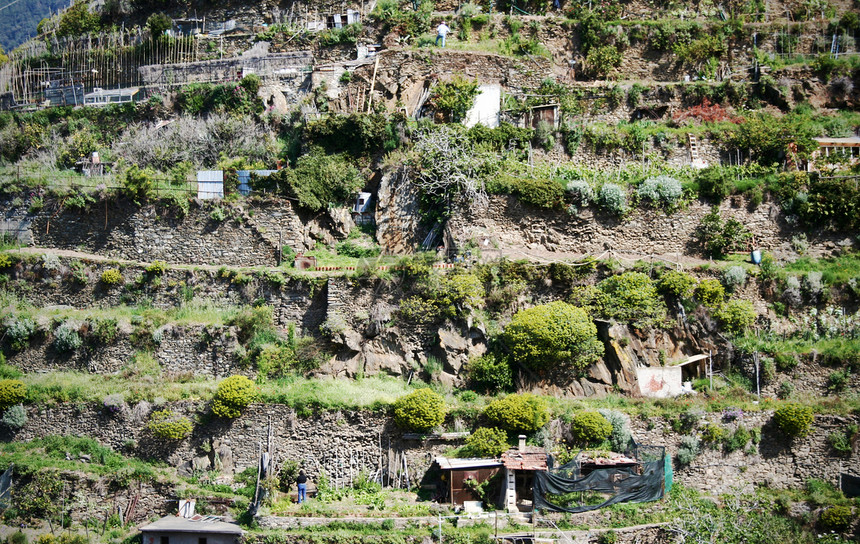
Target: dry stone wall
x=508 y=224
x=777 y=462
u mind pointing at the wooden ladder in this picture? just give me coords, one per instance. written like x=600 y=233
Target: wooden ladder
x=694 y=147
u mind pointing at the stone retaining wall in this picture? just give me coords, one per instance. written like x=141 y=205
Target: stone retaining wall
x=509 y=224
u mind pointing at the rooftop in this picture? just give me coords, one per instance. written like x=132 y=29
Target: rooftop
x=196 y=524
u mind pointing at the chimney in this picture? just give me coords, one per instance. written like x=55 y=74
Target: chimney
x=522 y=446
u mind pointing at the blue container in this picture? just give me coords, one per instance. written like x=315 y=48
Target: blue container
x=755 y=255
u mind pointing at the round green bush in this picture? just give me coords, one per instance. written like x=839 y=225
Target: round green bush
x=420 y=410
x=590 y=427
x=487 y=442
x=794 y=419
x=490 y=374
x=631 y=297
x=710 y=292
x=169 y=426
x=111 y=276
x=836 y=518
x=233 y=395
x=552 y=335
x=12 y=392
x=736 y=316
x=19 y=330
x=157 y=268
x=677 y=284
x=523 y=413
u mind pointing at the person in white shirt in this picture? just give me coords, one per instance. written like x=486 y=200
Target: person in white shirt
x=441 y=31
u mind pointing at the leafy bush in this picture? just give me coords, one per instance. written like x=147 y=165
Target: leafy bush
x=688 y=449
x=12 y=392
x=663 y=190
x=14 y=417
x=66 y=338
x=738 y=439
x=156 y=268
x=736 y=316
x=166 y=425
x=836 y=518
x=545 y=136
x=620 y=436
x=677 y=284
x=841 y=441
x=794 y=419
x=454 y=98
x=523 y=413
x=19 y=330
x=537 y=191
x=421 y=410
x=590 y=427
x=734 y=277
x=554 y=335
x=111 y=276
x=612 y=198
x=158 y=24
x=713 y=434
x=580 y=192
x=316 y=181
x=487 y=442
x=710 y=292
x=490 y=374
x=719 y=237
x=233 y=395
x=631 y=297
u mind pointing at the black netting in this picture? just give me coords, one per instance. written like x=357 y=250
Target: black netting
x=641 y=483
x=5 y=488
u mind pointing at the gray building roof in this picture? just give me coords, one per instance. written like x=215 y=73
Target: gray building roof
x=196 y=524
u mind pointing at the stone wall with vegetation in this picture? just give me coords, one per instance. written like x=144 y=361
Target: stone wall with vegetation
x=509 y=224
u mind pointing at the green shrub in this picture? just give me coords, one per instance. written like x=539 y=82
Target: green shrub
x=19 y=330
x=316 y=181
x=676 y=283
x=537 y=191
x=785 y=362
x=158 y=24
x=111 y=276
x=489 y=374
x=66 y=338
x=688 y=450
x=608 y=537
x=233 y=395
x=421 y=410
x=554 y=335
x=631 y=297
x=487 y=442
x=156 y=268
x=713 y=435
x=738 y=439
x=736 y=316
x=14 y=417
x=580 y=192
x=719 y=237
x=166 y=425
x=710 y=293
x=12 y=392
x=836 y=518
x=454 y=98
x=523 y=413
x=794 y=419
x=842 y=441
x=590 y=427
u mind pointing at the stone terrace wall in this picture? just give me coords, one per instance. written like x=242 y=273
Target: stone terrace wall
x=509 y=224
x=192 y=351
x=343 y=444
x=777 y=461
x=298 y=301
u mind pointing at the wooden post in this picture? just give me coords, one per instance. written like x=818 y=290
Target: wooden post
x=372 y=83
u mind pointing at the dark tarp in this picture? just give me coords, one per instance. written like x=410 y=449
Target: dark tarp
x=623 y=483
x=5 y=488
x=850 y=485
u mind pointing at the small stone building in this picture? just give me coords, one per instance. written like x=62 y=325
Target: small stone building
x=521 y=464
x=194 y=530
